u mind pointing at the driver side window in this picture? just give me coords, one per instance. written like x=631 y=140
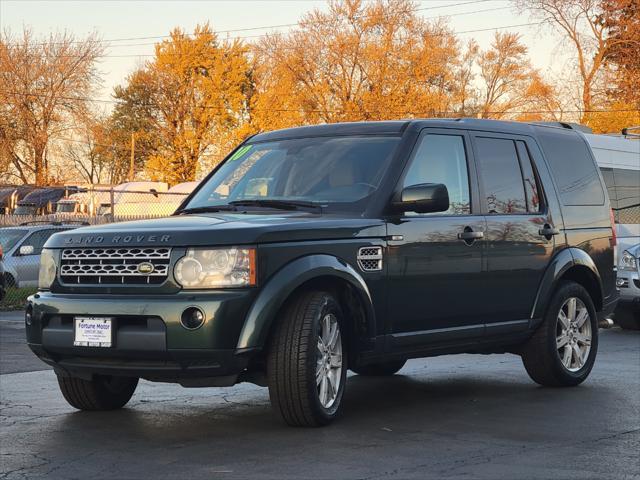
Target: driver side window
x=442 y=159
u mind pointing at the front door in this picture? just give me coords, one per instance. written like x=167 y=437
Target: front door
x=435 y=261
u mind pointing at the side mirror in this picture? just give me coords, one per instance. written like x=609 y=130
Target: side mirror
x=26 y=250
x=423 y=198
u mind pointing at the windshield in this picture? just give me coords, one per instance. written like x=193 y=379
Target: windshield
x=8 y=238
x=26 y=210
x=104 y=209
x=66 y=207
x=331 y=171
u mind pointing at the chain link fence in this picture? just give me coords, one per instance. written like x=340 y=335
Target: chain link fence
x=30 y=215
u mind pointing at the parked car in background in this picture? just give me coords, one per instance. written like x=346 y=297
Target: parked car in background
x=163 y=206
x=3 y=279
x=619 y=161
x=22 y=246
x=40 y=202
x=628 y=312
x=129 y=198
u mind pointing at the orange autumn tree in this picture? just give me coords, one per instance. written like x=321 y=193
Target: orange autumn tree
x=45 y=85
x=509 y=87
x=357 y=61
x=197 y=90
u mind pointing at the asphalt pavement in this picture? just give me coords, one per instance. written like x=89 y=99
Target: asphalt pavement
x=464 y=416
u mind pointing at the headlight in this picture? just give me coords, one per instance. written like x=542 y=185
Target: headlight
x=47 y=273
x=216 y=268
x=628 y=262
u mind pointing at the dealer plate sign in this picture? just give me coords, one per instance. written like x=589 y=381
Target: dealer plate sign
x=93 y=332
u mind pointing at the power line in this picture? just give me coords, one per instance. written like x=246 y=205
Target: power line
x=266 y=34
x=245 y=29
x=435 y=34
x=399 y=112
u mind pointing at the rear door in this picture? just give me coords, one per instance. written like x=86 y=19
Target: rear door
x=520 y=232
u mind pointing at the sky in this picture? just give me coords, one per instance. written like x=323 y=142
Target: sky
x=123 y=22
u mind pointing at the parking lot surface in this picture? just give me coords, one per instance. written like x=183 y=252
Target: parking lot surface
x=449 y=417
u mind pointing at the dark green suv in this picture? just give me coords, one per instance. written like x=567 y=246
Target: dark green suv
x=357 y=246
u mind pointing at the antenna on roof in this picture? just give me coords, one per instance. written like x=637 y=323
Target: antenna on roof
x=632 y=132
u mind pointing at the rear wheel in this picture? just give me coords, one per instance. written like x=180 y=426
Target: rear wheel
x=103 y=392
x=563 y=349
x=379 y=369
x=627 y=319
x=305 y=366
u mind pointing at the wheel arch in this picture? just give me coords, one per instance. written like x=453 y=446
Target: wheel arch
x=312 y=271
x=569 y=264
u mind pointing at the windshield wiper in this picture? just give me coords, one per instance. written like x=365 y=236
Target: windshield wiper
x=207 y=209
x=278 y=204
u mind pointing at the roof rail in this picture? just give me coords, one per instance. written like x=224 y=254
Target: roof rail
x=633 y=132
x=56 y=223
x=567 y=125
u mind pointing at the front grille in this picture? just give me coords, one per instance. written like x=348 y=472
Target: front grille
x=114 y=266
x=370 y=259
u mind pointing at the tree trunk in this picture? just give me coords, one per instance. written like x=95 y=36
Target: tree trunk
x=39 y=164
x=586 y=100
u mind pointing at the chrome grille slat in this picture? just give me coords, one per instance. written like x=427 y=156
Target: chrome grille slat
x=104 y=266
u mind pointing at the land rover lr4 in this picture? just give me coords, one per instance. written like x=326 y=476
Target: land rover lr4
x=314 y=250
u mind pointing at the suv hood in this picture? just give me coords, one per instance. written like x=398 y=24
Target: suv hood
x=221 y=229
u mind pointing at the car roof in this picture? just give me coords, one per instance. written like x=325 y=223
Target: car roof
x=397 y=127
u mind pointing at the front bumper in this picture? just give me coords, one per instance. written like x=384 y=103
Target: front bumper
x=149 y=340
x=629 y=284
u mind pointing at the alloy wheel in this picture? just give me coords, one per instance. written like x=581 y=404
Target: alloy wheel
x=329 y=360
x=573 y=334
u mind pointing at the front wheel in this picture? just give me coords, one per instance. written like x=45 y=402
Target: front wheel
x=102 y=392
x=306 y=368
x=563 y=349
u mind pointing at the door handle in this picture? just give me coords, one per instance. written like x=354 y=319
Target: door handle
x=469 y=236
x=548 y=231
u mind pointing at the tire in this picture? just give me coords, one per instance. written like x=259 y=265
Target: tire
x=627 y=319
x=104 y=392
x=11 y=282
x=297 y=357
x=541 y=354
x=379 y=369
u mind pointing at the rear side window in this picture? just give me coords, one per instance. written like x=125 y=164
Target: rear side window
x=573 y=168
x=623 y=186
x=531 y=183
x=38 y=239
x=501 y=176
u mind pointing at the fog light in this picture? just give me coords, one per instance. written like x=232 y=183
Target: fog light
x=28 y=316
x=192 y=318
x=622 y=283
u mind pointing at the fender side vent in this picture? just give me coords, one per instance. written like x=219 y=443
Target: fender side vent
x=370 y=259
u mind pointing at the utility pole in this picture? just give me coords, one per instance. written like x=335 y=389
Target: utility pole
x=133 y=156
